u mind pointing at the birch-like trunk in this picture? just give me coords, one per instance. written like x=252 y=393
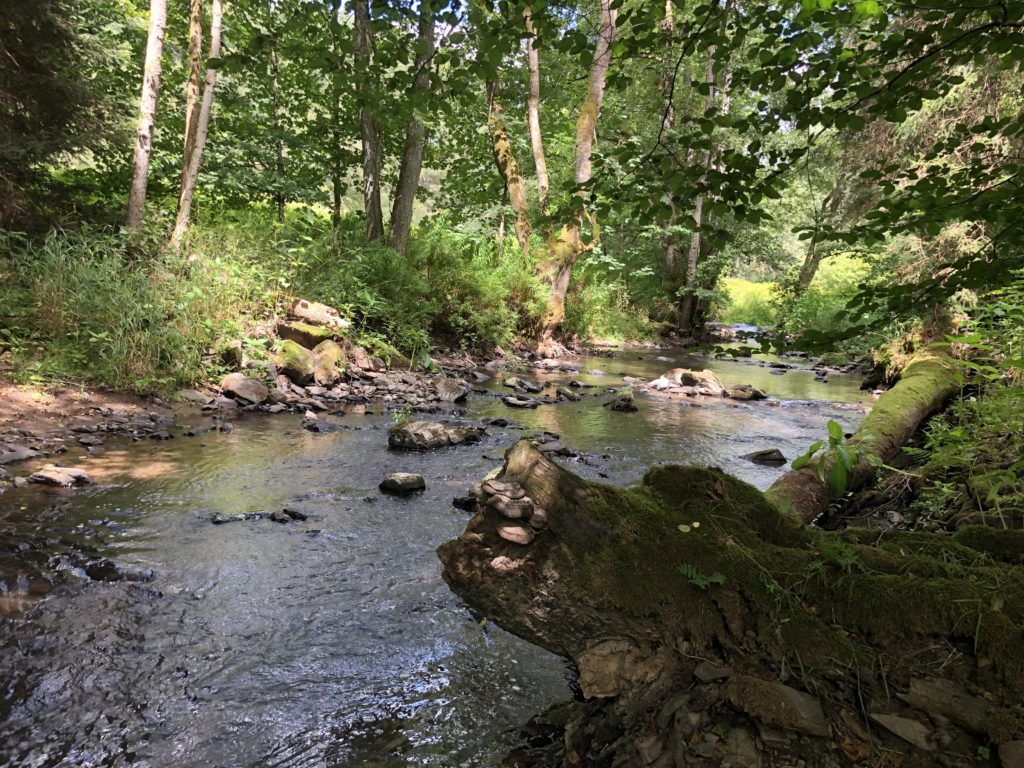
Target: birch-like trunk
x=184 y=217
x=193 y=90
x=533 y=113
x=415 y=137
x=275 y=97
x=368 y=127
x=668 y=123
x=147 y=112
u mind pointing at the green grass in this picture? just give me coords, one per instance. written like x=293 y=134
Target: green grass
x=749 y=303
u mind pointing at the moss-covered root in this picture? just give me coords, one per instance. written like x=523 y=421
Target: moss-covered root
x=637 y=586
x=928 y=381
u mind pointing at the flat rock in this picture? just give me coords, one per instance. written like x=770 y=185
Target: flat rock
x=568 y=394
x=704 y=382
x=193 y=396
x=623 y=402
x=317 y=314
x=403 y=483
x=909 y=730
x=450 y=390
x=517 y=534
x=745 y=392
x=1011 y=754
x=241 y=387
x=425 y=435
x=306 y=334
x=707 y=672
x=15 y=455
x=65 y=477
x=520 y=402
x=777 y=705
x=950 y=700
x=769 y=456
x=90 y=440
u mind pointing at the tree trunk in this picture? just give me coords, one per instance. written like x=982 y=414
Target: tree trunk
x=147 y=112
x=184 y=217
x=928 y=382
x=508 y=167
x=668 y=123
x=568 y=245
x=691 y=600
x=415 y=137
x=368 y=127
x=275 y=94
x=335 y=153
x=193 y=94
x=533 y=110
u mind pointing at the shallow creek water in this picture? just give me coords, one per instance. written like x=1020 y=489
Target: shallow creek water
x=330 y=642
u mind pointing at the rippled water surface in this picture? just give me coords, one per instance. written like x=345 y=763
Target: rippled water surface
x=329 y=642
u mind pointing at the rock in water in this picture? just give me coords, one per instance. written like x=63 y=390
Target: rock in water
x=451 y=390
x=403 y=483
x=425 y=435
x=568 y=394
x=745 y=392
x=65 y=477
x=241 y=387
x=769 y=456
x=623 y=402
x=520 y=402
x=705 y=382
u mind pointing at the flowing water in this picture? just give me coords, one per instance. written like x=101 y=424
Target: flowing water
x=329 y=642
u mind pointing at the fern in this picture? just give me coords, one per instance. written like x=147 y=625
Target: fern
x=698 y=579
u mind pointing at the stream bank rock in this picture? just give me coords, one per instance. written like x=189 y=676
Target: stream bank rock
x=241 y=387
x=426 y=435
x=403 y=483
x=64 y=477
x=315 y=313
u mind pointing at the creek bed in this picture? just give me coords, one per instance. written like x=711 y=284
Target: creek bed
x=328 y=642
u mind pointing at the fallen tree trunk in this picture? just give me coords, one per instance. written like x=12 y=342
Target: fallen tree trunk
x=928 y=382
x=692 y=605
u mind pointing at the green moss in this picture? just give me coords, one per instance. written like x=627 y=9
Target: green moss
x=1007 y=546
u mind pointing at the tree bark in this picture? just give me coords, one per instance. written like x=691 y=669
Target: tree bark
x=147 y=112
x=533 y=113
x=508 y=167
x=668 y=123
x=184 y=217
x=335 y=132
x=368 y=128
x=415 y=137
x=275 y=96
x=193 y=91
x=928 y=382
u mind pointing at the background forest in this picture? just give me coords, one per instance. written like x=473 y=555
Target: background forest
x=471 y=175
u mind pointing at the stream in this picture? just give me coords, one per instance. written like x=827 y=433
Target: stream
x=333 y=641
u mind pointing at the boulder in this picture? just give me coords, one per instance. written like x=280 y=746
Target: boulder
x=567 y=394
x=360 y=358
x=296 y=362
x=17 y=453
x=520 y=402
x=705 y=382
x=745 y=392
x=241 y=387
x=623 y=402
x=315 y=313
x=450 y=390
x=304 y=333
x=403 y=483
x=768 y=456
x=524 y=384
x=329 y=364
x=193 y=396
x=65 y=477
x=425 y=435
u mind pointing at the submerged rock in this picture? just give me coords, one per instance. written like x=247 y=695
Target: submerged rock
x=745 y=392
x=623 y=402
x=241 y=387
x=425 y=435
x=403 y=483
x=769 y=456
x=520 y=402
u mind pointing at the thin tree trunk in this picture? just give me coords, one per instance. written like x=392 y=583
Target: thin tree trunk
x=533 y=109
x=193 y=101
x=336 y=181
x=184 y=217
x=275 y=94
x=368 y=127
x=147 y=112
x=415 y=137
x=565 y=247
x=667 y=124
x=508 y=167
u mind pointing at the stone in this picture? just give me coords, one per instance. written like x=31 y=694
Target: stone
x=520 y=402
x=17 y=453
x=280 y=517
x=909 y=730
x=65 y=477
x=568 y=394
x=193 y=396
x=241 y=387
x=20 y=482
x=768 y=456
x=361 y=359
x=304 y=333
x=1011 y=754
x=516 y=509
x=950 y=700
x=403 y=483
x=450 y=390
x=465 y=503
x=329 y=363
x=296 y=362
x=740 y=749
x=745 y=392
x=622 y=402
x=232 y=354
x=707 y=672
x=425 y=435
x=529 y=386
x=315 y=313
x=517 y=534
x=90 y=440
x=705 y=382
x=777 y=705
x=295 y=514
x=4 y=477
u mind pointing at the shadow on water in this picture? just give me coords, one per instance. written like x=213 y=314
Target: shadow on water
x=328 y=642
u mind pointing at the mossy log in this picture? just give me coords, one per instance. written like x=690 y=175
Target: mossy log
x=928 y=382
x=639 y=586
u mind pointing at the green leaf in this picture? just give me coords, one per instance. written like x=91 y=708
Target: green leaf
x=837 y=479
x=835 y=431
